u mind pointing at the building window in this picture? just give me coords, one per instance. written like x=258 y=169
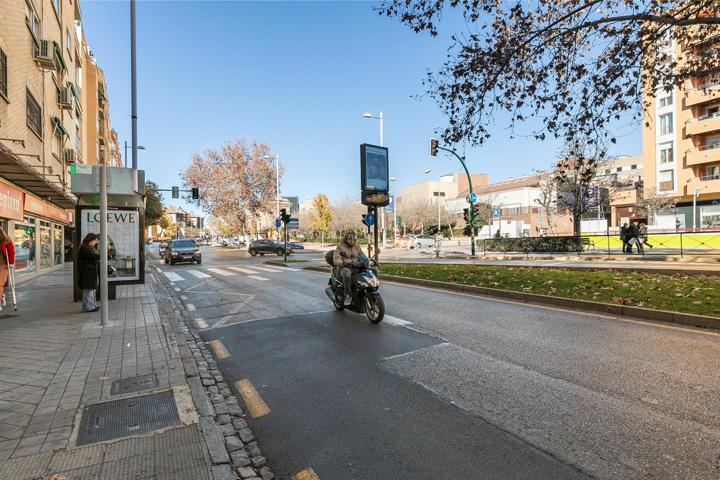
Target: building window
x=666 y=124
x=77 y=139
x=3 y=74
x=712 y=173
x=68 y=44
x=666 y=98
x=33 y=114
x=666 y=180
x=633 y=167
x=666 y=153
x=618 y=169
x=32 y=20
x=56 y=6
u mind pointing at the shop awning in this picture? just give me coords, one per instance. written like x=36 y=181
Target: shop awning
x=74 y=90
x=59 y=55
x=57 y=123
x=15 y=170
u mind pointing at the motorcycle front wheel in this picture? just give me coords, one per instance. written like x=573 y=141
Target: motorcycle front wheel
x=374 y=308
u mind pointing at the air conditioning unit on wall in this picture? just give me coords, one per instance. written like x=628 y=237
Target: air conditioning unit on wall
x=65 y=98
x=45 y=54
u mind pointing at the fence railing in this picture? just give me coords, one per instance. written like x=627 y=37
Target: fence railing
x=660 y=244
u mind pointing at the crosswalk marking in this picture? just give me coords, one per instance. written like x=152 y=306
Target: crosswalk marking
x=258 y=277
x=173 y=277
x=220 y=271
x=263 y=269
x=243 y=270
x=199 y=274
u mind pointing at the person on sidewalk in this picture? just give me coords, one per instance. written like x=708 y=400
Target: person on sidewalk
x=634 y=238
x=624 y=238
x=7 y=260
x=644 y=235
x=88 y=271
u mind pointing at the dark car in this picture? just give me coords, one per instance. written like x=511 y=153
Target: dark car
x=268 y=246
x=182 y=250
x=296 y=246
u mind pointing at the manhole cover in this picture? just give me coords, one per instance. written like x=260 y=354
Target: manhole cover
x=128 y=416
x=133 y=384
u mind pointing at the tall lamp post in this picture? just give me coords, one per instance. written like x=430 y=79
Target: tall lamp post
x=395 y=217
x=695 y=196
x=381 y=118
x=140 y=147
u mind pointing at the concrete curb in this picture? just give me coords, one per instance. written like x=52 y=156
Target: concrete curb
x=688 y=319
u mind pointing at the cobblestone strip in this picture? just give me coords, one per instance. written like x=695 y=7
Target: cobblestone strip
x=232 y=446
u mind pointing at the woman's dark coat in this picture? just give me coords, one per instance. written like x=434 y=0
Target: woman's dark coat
x=88 y=267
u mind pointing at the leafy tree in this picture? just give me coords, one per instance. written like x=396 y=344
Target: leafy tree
x=573 y=65
x=168 y=226
x=322 y=215
x=238 y=182
x=153 y=203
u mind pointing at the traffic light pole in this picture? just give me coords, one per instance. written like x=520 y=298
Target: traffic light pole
x=472 y=204
x=375 y=235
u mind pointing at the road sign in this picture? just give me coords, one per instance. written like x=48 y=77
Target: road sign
x=397 y=234
x=472 y=198
x=293 y=224
x=278 y=222
x=391 y=206
x=369 y=219
x=497 y=212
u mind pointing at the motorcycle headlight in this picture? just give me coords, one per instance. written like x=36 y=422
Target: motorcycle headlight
x=374 y=282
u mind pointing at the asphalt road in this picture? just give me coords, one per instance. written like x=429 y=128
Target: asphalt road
x=453 y=386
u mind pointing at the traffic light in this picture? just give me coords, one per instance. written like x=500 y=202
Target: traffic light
x=466 y=215
x=284 y=215
x=175 y=192
x=195 y=193
x=364 y=221
x=433 y=147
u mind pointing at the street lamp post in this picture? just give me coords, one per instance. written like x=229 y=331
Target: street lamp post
x=395 y=217
x=695 y=195
x=140 y=147
x=381 y=118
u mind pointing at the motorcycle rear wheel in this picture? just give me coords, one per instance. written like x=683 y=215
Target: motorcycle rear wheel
x=374 y=308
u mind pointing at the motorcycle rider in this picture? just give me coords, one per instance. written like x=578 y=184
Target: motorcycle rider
x=346 y=252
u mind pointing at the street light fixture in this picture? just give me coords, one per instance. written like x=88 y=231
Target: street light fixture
x=381 y=118
x=140 y=147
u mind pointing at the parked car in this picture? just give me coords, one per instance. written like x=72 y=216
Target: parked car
x=420 y=241
x=182 y=250
x=296 y=246
x=268 y=246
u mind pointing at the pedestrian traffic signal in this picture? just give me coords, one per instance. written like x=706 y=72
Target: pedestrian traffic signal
x=175 y=192
x=433 y=147
x=284 y=215
x=195 y=193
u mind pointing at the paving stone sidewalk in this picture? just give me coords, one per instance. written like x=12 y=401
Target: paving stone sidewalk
x=54 y=360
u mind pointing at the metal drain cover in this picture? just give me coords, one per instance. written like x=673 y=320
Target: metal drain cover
x=133 y=384
x=101 y=422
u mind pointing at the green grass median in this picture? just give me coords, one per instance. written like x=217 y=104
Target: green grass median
x=677 y=293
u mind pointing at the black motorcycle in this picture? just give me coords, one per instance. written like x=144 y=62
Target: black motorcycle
x=364 y=290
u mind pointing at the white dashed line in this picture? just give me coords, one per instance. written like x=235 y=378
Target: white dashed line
x=220 y=271
x=199 y=274
x=190 y=307
x=173 y=277
x=258 y=277
x=263 y=269
x=200 y=323
x=243 y=270
x=395 y=321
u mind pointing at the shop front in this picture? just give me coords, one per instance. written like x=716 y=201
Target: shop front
x=36 y=228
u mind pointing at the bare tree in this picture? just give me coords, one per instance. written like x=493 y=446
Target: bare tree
x=548 y=201
x=574 y=65
x=652 y=202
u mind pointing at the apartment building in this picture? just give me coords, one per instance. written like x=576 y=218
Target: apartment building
x=445 y=188
x=623 y=176
x=681 y=142
x=44 y=120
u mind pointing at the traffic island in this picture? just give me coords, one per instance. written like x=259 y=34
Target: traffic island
x=689 y=300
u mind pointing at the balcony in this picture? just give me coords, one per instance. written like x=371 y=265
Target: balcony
x=707 y=92
x=704 y=124
x=702 y=155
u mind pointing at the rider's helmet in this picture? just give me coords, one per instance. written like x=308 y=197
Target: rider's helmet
x=349 y=236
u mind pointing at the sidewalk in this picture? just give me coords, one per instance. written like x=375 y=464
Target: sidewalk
x=56 y=361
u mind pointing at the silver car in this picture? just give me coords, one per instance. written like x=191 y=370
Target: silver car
x=420 y=241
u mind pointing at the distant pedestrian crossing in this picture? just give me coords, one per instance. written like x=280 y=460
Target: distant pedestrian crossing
x=254 y=272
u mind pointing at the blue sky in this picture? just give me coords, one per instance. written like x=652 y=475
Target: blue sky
x=297 y=75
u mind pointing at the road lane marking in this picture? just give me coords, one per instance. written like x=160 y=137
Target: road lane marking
x=253 y=401
x=280 y=269
x=243 y=270
x=220 y=271
x=199 y=274
x=225 y=321
x=263 y=269
x=201 y=323
x=258 y=277
x=219 y=349
x=183 y=297
x=395 y=321
x=307 y=474
x=190 y=307
x=173 y=277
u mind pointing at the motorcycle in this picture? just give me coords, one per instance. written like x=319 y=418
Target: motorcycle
x=364 y=290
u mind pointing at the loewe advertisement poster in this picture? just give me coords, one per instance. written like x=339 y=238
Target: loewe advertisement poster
x=123 y=240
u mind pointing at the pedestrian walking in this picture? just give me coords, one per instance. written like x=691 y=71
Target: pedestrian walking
x=644 y=235
x=7 y=261
x=624 y=238
x=634 y=237
x=88 y=271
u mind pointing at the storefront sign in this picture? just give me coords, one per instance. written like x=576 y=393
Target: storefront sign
x=11 y=202
x=43 y=209
x=123 y=240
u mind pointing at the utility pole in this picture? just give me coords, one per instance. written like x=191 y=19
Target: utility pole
x=103 y=245
x=133 y=88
